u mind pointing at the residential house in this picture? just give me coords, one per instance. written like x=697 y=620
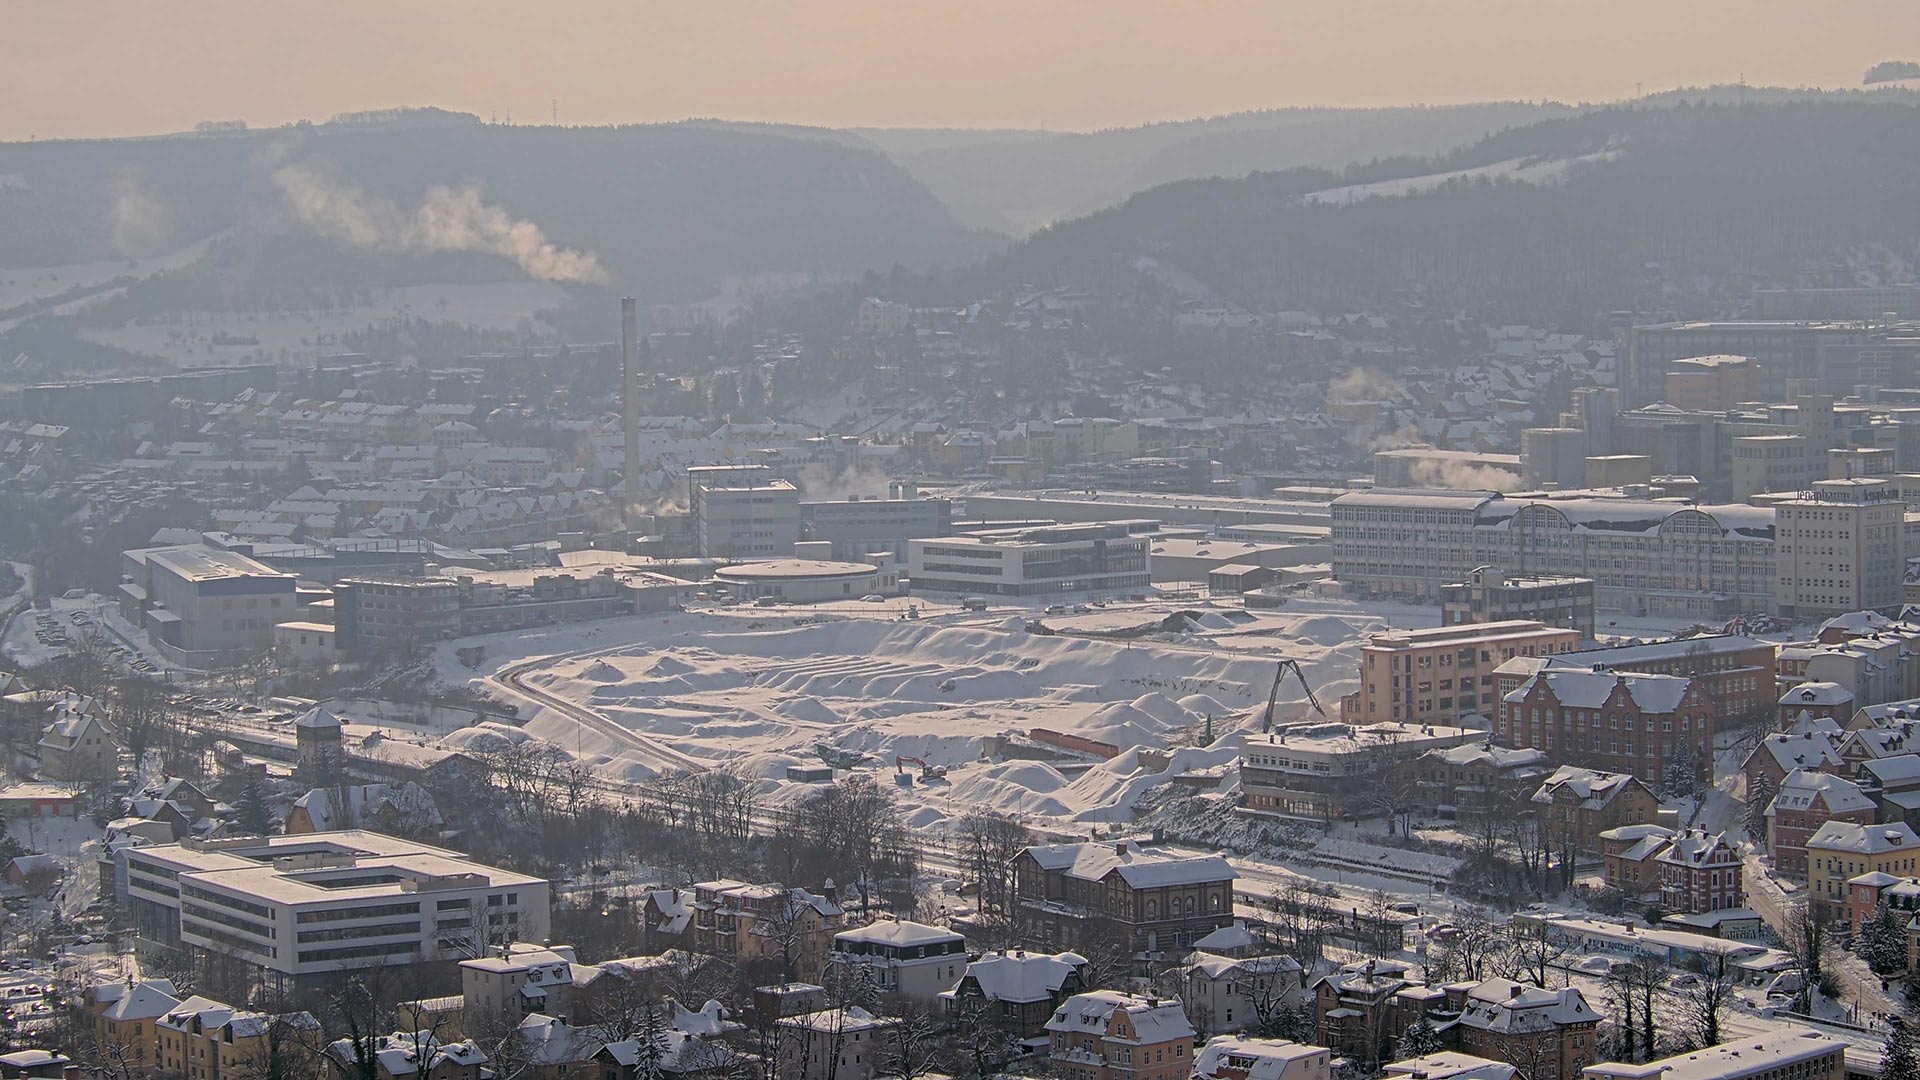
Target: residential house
x=1157 y=904
x=1355 y=1013
x=833 y=1044
x=123 y=1014
x=407 y=1055
x=1111 y=1035
x=1228 y=993
x=902 y=957
x=1766 y=768
x=1576 y=805
x=1868 y=891
x=1700 y=872
x=521 y=980
x=404 y=809
x=1232 y=1057
x=1478 y=775
x=1019 y=990
x=1806 y=801
x=1546 y=1034
x=1627 y=857
x=204 y=1039
x=78 y=746
x=773 y=922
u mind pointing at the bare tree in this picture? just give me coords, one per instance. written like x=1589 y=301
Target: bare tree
x=912 y=1040
x=1705 y=1000
x=1530 y=952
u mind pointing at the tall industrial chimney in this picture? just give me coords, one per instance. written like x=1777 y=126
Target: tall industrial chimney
x=630 y=402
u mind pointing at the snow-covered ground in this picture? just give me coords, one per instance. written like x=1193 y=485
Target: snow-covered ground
x=1523 y=170
x=26 y=285
x=758 y=691
x=186 y=338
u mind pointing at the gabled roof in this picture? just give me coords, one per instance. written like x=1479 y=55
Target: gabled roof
x=1593 y=788
x=149 y=999
x=1253 y=1059
x=1021 y=976
x=1863 y=839
x=1153 y=1019
x=1802 y=787
x=1810 y=750
x=1504 y=1006
x=1696 y=847
x=1139 y=868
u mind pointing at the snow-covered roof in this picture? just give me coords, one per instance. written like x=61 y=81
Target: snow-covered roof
x=1817 y=693
x=1153 y=1019
x=1592 y=787
x=1810 y=750
x=1588 y=689
x=400 y=1053
x=1451 y=1065
x=148 y=999
x=1139 y=868
x=1770 y=1054
x=1863 y=839
x=1022 y=977
x=899 y=932
x=1504 y=1006
x=1253 y=1059
x=1697 y=847
x=1802 y=787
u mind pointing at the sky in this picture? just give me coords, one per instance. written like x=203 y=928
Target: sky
x=126 y=67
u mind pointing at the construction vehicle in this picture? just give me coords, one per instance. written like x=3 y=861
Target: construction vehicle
x=1273 y=696
x=838 y=758
x=928 y=773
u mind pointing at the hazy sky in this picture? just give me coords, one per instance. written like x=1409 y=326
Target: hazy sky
x=114 y=67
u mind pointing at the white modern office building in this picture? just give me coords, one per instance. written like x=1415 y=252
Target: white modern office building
x=313 y=904
x=1049 y=559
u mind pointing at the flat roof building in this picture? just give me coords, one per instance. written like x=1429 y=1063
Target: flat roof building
x=204 y=606
x=1101 y=558
x=303 y=906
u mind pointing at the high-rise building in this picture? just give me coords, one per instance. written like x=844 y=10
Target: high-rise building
x=1839 y=548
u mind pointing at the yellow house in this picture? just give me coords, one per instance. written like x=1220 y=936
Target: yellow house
x=1843 y=850
x=125 y=1017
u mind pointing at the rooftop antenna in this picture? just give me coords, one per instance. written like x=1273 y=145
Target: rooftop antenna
x=556 y=112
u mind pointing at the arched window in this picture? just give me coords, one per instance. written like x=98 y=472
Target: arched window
x=1189 y=905
x=1214 y=905
x=1153 y=909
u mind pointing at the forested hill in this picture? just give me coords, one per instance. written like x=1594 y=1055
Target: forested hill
x=666 y=210
x=1630 y=208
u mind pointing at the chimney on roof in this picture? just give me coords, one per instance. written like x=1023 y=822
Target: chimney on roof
x=1513 y=991
x=1119 y=847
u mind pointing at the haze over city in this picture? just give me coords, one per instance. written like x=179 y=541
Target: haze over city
x=1075 y=65
x=1049 y=541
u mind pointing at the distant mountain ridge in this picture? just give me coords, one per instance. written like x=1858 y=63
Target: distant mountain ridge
x=1629 y=208
x=666 y=210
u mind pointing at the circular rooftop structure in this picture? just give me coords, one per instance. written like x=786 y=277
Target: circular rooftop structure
x=777 y=570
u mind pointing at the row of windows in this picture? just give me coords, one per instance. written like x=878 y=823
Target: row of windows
x=338 y=914
x=349 y=933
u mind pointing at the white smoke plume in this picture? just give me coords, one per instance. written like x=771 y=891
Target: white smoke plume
x=1461 y=476
x=449 y=219
x=141 y=222
x=825 y=482
x=1362 y=384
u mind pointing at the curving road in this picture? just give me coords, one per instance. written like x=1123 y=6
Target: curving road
x=651 y=751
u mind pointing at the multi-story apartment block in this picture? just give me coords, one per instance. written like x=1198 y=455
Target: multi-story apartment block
x=307 y=906
x=392 y=616
x=1110 y=1035
x=1630 y=723
x=1840 y=548
x=1806 y=800
x=1841 y=851
x=1700 y=872
x=1437 y=675
x=1577 y=805
x=1154 y=904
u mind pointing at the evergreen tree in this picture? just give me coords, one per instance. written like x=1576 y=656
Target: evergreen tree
x=1897 y=1062
x=1681 y=779
x=251 y=808
x=1882 y=943
x=1759 y=795
x=1287 y=1022
x=649 y=1058
x=1418 y=1041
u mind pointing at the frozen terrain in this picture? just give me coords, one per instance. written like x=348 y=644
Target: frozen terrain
x=1522 y=170
x=759 y=693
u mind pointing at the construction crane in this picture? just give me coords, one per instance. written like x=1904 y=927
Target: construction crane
x=1273 y=696
x=928 y=773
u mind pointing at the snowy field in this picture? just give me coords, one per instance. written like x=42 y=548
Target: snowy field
x=1522 y=170
x=760 y=692
x=186 y=338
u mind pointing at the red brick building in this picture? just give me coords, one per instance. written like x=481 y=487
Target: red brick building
x=1734 y=671
x=1777 y=755
x=1700 y=872
x=1633 y=724
x=1806 y=801
x=1627 y=857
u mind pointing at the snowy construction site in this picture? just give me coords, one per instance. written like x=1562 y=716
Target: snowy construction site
x=1068 y=719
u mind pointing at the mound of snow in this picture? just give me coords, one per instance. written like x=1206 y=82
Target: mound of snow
x=1013 y=624
x=666 y=666
x=1328 y=630
x=485 y=736
x=807 y=710
x=1210 y=620
x=1015 y=787
x=1163 y=708
x=1204 y=705
x=601 y=671
x=1110 y=790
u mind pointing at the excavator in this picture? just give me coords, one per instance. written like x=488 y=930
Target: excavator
x=1273 y=696
x=928 y=773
